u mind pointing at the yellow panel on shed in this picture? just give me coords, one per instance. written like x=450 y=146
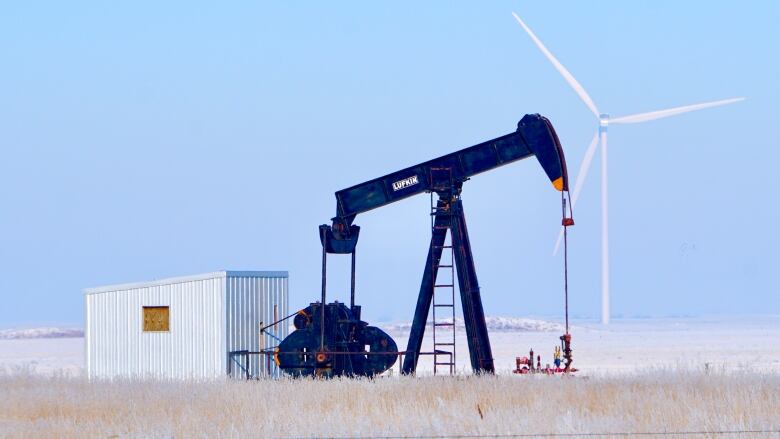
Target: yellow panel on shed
x=156 y=319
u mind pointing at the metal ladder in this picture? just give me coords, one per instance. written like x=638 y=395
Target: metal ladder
x=443 y=276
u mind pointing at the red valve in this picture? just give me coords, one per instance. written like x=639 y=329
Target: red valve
x=567 y=222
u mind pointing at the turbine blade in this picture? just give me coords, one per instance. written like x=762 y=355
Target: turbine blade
x=579 y=89
x=558 y=242
x=652 y=115
x=582 y=174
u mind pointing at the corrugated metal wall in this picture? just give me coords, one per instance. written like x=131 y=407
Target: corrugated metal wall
x=210 y=315
x=250 y=305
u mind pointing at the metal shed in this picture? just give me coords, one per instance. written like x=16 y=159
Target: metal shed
x=183 y=327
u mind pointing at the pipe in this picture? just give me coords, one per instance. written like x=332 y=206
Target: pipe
x=322 y=303
x=352 y=289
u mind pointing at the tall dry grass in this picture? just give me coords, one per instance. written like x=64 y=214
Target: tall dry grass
x=60 y=406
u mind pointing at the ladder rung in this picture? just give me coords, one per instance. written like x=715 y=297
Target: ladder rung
x=443 y=324
x=444 y=364
x=444 y=266
x=442 y=246
x=443 y=305
x=443 y=344
x=443 y=286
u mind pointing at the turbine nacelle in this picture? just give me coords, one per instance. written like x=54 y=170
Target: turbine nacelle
x=603 y=120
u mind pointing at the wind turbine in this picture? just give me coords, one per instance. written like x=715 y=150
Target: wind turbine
x=601 y=137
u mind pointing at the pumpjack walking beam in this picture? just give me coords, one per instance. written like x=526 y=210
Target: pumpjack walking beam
x=535 y=136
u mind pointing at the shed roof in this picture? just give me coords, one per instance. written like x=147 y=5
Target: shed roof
x=182 y=279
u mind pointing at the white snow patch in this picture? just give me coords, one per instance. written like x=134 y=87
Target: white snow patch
x=46 y=332
x=502 y=324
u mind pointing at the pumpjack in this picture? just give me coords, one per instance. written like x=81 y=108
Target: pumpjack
x=444 y=177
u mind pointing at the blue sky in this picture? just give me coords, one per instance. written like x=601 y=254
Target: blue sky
x=150 y=139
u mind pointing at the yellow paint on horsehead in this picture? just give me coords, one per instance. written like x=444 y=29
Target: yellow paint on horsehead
x=558 y=183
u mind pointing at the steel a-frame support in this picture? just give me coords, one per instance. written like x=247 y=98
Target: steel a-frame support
x=449 y=215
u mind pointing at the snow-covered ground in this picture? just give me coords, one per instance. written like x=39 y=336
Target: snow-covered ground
x=626 y=345
x=43 y=355
x=44 y=350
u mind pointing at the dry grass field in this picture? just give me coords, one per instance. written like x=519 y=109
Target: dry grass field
x=672 y=401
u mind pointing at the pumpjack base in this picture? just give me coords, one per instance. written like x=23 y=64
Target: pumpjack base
x=449 y=216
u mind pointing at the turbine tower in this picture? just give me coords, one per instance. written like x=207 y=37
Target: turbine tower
x=601 y=138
